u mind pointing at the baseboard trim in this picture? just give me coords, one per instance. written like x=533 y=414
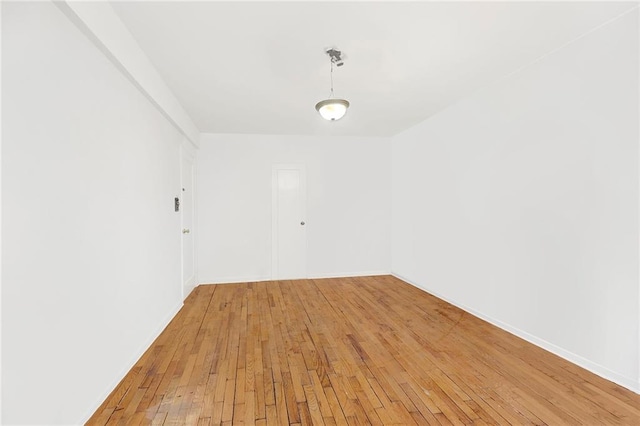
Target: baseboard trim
x=580 y=361
x=132 y=361
x=253 y=279
x=234 y=280
x=349 y=274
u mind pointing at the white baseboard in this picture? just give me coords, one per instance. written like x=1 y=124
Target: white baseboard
x=349 y=274
x=251 y=279
x=234 y=280
x=132 y=361
x=589 y=365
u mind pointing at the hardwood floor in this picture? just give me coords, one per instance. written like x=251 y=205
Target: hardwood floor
x=371 y=350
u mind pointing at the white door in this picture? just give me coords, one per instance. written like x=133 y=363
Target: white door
x=186 y=208
x=289 y=236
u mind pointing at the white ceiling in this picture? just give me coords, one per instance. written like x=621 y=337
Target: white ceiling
x=260 y=67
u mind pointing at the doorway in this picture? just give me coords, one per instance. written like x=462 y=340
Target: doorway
x=289 y=236
x=187 y=221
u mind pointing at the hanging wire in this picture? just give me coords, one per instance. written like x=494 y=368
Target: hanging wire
x=331 y=74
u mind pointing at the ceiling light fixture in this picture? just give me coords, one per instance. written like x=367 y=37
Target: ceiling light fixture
x=333 y=109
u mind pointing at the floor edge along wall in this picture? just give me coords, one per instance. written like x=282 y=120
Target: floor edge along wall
x=554 y=349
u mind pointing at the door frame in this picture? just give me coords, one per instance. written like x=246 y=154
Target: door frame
x=187 y=154
x=274 y=212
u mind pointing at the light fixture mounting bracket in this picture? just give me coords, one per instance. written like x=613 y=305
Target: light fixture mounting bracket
x=336 y=56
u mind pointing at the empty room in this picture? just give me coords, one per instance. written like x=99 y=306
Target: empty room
x=327 y=213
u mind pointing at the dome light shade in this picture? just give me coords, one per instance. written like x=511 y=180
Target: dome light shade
x=332 y=109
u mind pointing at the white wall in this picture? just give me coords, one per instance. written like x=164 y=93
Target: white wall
x=99 y=22
x=348 y=211
x=91 y=245
x=520 y=203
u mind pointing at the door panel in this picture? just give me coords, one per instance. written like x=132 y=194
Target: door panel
x=289 y=246
x=186 y=208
